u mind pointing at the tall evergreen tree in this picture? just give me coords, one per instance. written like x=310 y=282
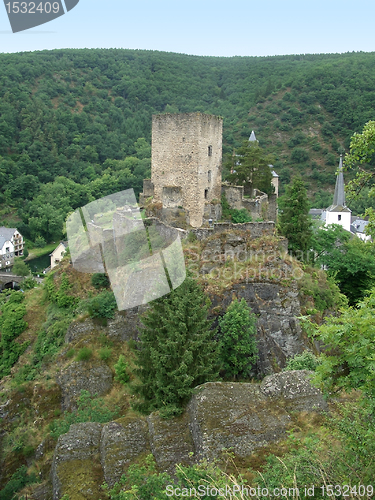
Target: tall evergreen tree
x=237 y=346
x=294 y=220
x=177 y=350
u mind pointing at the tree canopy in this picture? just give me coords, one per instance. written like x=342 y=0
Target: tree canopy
x=362 y=158
x=250 y=167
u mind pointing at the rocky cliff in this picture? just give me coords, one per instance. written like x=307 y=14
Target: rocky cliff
x=241 y=417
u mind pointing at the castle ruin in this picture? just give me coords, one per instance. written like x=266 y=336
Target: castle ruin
x=186 y=162
x=186 y=182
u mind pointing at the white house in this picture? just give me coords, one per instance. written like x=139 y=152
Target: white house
x=11 y=245
x=58 y=253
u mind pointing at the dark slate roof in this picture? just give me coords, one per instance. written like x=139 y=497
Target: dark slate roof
x=360 y=225
x=316 y=211
x=6 y=234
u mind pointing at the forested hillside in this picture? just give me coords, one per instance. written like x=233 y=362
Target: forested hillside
x=75 y=125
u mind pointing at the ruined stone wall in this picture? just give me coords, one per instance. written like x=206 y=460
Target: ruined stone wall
x=187 y=154
x=257 y=229
x=260 y=206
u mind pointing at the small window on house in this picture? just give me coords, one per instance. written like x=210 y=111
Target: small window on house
x=209 y=150
x=339 y=217
x=209 y=176
x=183 y=139
x=205 y=194
x=7 y=249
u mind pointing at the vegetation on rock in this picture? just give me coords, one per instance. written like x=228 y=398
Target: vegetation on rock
x=176 y=351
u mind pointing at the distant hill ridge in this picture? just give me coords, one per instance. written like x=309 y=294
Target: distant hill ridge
x=79 y=114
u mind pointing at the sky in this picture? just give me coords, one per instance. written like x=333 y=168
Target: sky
x=205 y=27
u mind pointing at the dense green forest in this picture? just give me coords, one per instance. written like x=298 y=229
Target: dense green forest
x=75 y=125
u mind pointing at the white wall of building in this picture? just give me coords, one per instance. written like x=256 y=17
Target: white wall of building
x=342 y=218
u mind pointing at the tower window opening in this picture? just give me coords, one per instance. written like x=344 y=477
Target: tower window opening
x=209 y=176
x=209 y=150
x=205 y=194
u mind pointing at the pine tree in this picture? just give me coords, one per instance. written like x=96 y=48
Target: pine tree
x=177 y=350
x=294 y=220
x=237 y=347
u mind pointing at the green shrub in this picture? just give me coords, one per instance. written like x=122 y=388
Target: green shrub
x=20 y=268
x=121 y=370
x=100 y=280
x=60 y=296
x=19 y=480
x=192 y=237
x=40 y=242
x=305 y=361
x=29 y=283
x=90 y=409
x=12 y=325
x=52 y=336
x=241 y=216
x=344 y=455
x=103 y=305
x=299 y=155
x=70 y=353
x=84 y=354
x=105 y=353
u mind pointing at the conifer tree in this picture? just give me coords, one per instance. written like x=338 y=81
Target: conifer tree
x=177 y=350
x=294 y=220
x=237 y=346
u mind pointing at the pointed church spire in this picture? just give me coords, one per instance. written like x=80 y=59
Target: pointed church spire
x=339 y=196
x=252 y=137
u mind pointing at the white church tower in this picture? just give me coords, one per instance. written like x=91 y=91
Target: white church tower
x=338 y=212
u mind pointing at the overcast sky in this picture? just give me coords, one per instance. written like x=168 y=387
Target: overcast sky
x=205 y=27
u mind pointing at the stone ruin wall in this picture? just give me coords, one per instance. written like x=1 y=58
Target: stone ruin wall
x=262 y=206
x=180 y=159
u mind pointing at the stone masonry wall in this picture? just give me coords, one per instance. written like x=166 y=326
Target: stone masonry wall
x=262 y=206
x=187 y=154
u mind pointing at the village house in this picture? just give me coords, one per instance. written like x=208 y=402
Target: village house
x=11 y=246
x=58 y=253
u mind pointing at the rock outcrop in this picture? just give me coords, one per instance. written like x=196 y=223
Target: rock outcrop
x=279 y=335
x=94 y=377
x=221 y=415
x=124 y=326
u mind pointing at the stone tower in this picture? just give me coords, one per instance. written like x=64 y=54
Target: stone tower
x=186 y=161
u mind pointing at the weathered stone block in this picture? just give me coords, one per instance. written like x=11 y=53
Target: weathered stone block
x=94 y=377
x=75 y=463
x=121 y=443
x=171 y=441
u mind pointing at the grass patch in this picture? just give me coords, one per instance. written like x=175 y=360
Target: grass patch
x=39 y=252
x=84 y=354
